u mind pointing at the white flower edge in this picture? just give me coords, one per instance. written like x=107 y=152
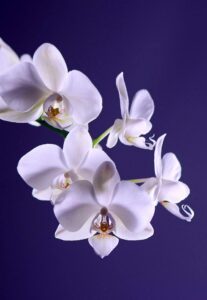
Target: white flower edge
x=166 y=188
x=135 y=122
x=8 y=59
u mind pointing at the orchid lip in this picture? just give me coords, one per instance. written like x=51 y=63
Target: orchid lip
x=52 y=112
x=54 y=106
x=103 y=222
x=57 y=111
x=62 y=182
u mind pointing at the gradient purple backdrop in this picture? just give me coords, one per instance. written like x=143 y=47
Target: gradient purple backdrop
x=161 y=46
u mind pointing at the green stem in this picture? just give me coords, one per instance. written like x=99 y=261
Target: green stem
x=141 y=180
x=101 y=137
x=63 y=133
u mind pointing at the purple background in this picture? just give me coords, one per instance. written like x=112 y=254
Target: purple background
x=161 y=46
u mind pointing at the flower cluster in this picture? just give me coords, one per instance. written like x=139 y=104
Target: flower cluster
x=89 y=199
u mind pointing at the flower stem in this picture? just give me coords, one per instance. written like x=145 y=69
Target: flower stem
x=141 y=180
x=101 y=137
x=63 y=133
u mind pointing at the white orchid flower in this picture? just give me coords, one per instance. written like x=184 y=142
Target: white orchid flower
x=8 y=59
x=104 y=211
x=166 y=188
x=50 y=170
x=134 y=123
x=45 y=86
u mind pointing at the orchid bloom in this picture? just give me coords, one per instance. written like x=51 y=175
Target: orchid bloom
x=134 y=123
x=166 y=187
x=8 y=59
x=44 y=88
x=50 y=170
x=104 y=211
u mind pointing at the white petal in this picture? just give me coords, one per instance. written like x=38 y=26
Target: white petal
x=8 y=57
x=105 y=180
x=171 y=168
x=83 y=233
x=158 y=157
x=132 y=205
x=114 y=133
x=76 y=146
x=149 y=184
x=41 y=165
x=34 y=123
x=75 y=206
x=52 y=192
x=135 y=128
x=173 y=191
x=123 y=233
x=93 y=160
x=45 y=194
x=175 y=210
x=21 y=87
x=51 y=66
x=26 y=58
x=130 y=134
x=10 y=115
x=103 y=244
x=142 y=106
x=83 y=96
x=152 y=187
x=123 y=95
x=48 y=194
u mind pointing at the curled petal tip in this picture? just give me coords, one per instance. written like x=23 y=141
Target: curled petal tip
x=121 y=74
x=175 y=210
x=151 y=144
x=188 y=211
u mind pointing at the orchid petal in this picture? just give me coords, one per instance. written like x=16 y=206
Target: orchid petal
x=152 y=187
x=123 y=233
x=21 y=87
x=103 y=244
x=114 y=133
x=158 y=157
x=34 y=123
x=8 y=57
x=51 y=66
x=135 y=128
x=132 y=205
x=123 y=95
x=105 y=180
x=45 y=194
x=142 y=106
x=11 y=115
x=171 y=168
x=41 y=165
x=75 y=206
x=173 y=191
x=83 y=233
x=93 y=160
x=76 y=146
x=83 y=96
x=26 y=58
x=175 y=210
